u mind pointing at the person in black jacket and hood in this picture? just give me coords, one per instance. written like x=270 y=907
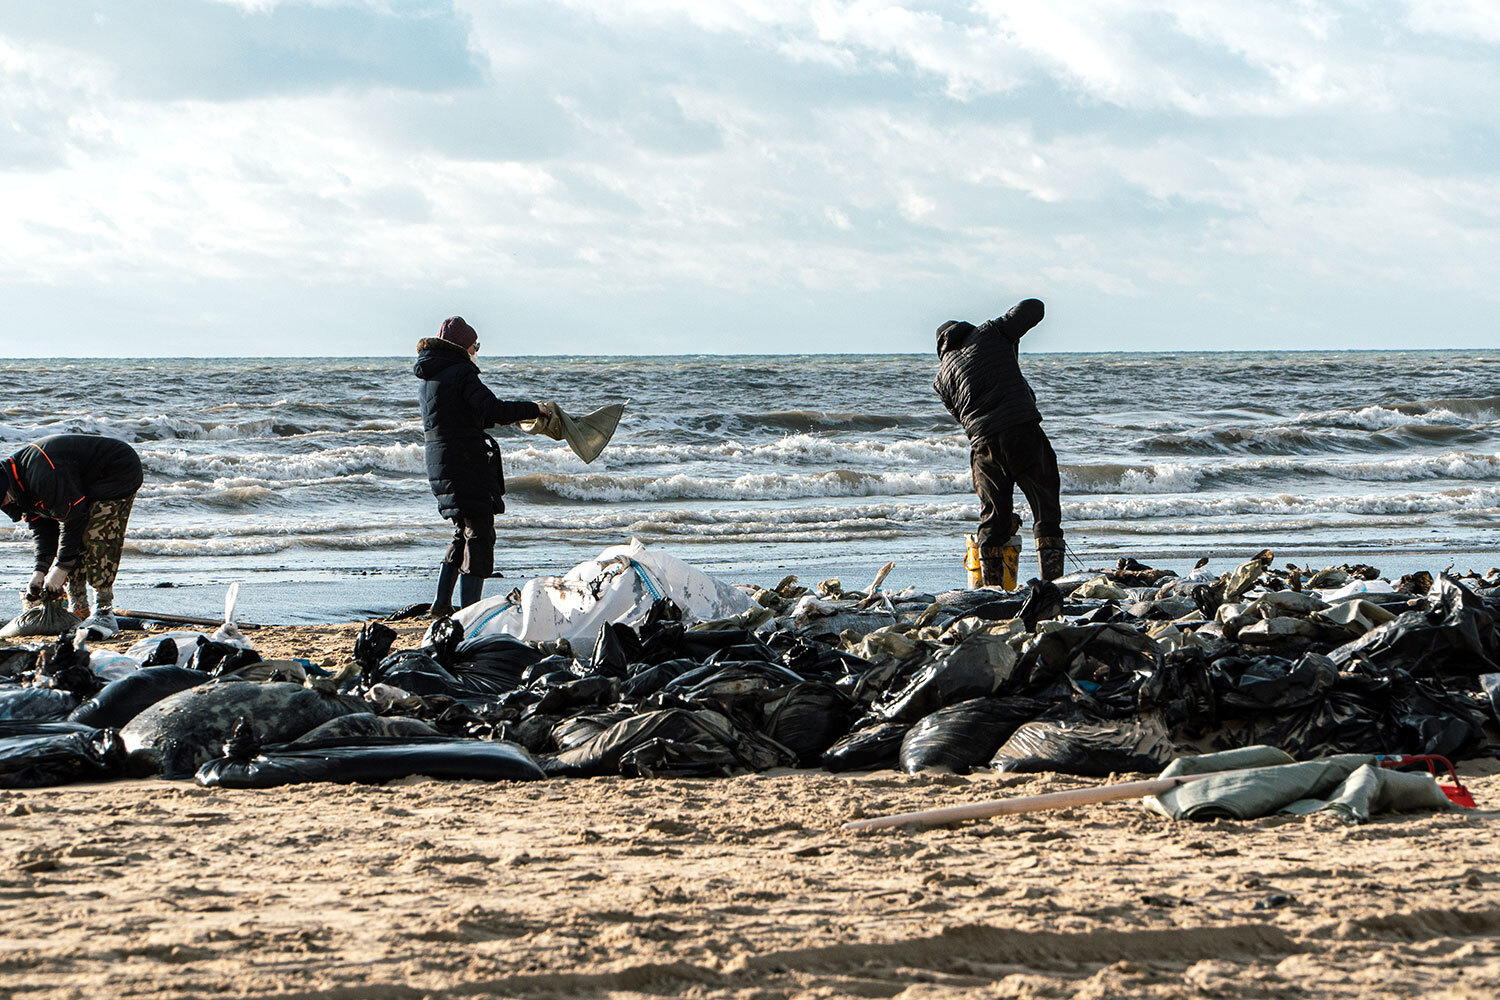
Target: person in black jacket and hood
x=980 y=382
x=75 y=492
x=463 y=462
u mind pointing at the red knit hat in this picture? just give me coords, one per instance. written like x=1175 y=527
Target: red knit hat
x=455 y=331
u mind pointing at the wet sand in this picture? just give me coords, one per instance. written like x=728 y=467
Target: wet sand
x=741 y=887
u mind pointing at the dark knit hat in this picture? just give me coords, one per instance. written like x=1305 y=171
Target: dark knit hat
x=455 y=331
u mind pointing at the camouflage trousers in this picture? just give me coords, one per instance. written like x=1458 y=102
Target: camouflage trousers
x=103 y=541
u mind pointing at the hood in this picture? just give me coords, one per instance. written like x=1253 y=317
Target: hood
x=1023 y=316
x=952 y=335
x=435 y=356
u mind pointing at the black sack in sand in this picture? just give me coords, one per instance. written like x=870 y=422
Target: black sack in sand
x=649 y=678
x=373 y=644
x=163 y=654
x=739 y=688
x=414 y=672
x=617 y=647
x=808 y=718
x=1251 y=686
x=672 y=641
x=1348 y=719
x=1044 y=601
x=670 y=759
x=493 y=664
x=124 y=699
x=873 y=748
x=1081 y=658
x=1182 y=691
x=1425 y=717
x=1092 y=749
x=603 y=753
x=42 y=704
x=576 y=693
x=1490 y=685
x=370 y=760
x=978 y=665
x=17 y=660
x=1455 y=637
x=43 y=618
x=964 y=735
x=58 y=758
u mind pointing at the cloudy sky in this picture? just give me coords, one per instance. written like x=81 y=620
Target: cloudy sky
x=665 y=176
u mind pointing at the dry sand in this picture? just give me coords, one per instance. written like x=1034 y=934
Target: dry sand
x=741 y=887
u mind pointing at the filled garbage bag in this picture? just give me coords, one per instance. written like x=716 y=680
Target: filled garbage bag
x=1423 y=717
x=17 y=660
x=661 y=758
x=978 y=665
x=42 y=618
x=124 y=699
x=1490 y=684
x=1254 y=685
x=961 y=736
x=1093 y=749
x=494 y=661
x=110 y=666
x=808 y=718
x=1452 y=638
x=40 y=703
x=704 y=727
x=648 y=678
x=740 y=688
x=872 y=748
x=1347 y=719
x=1181 y=691
x=414 y=672
x=371 y=759
x=185 y=730
x=1106 y=661
x=367 y=724
x=576 y=693
x=58 y=758
x=574 y=732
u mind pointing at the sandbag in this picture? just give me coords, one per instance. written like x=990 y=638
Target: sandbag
x=958 y=737
x=124 y=699
x=59 y=758
x=873 y=748
x=1246 y=685
x=704 y=727
x=151 y=650
x=39 y=703
x=1093 y=749
x=808 y=718
x=659 y=758
x=976 y=666
x=373 y=760
x=42 y=618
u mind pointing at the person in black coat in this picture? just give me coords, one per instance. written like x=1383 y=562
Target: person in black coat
x=75 y=492
x=463 y=462
x=980 y=382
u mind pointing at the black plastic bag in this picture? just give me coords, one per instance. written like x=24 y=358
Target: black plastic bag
x=493 y=664
x=978 y=665
x=414 y=672
x=1423 y=717
x=672 y=641
x=603 y=753
x=649 y=678
x=663 y=758
x=1455 y=637
x=1490 y=684
x=444 y=638
x=964 y=735
x=1346 y=720
x=211 y=656
x=373 y=644
x=872 y=748
x=576 y=693
x=124 y=699
x=17 y=660
x=1094 y=749
x=1111 y=654
x=373 y=760
x=808 y=718
x=617 y=647
x=1255 y=685
x=43 y=759
x=1182 y=691
x=42 y=704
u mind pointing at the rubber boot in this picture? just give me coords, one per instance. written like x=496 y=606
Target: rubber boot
x=1049 y=557
x=442 y=602
x=470 y=589
x=992 y=568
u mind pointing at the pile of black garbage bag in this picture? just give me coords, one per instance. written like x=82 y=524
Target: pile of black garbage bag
x=1119 y=671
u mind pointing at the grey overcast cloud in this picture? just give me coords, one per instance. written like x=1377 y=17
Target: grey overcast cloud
x=332 y=177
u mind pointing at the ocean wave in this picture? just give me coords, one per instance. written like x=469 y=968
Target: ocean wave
x=1281 y=504
x=790 y=450
x=750 y=486
x=265 y=467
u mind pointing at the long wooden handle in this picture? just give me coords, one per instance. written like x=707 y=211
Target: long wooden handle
x=180 y=619
x=1031 y=803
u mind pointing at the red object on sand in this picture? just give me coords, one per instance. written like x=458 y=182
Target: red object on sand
x=1456 y=792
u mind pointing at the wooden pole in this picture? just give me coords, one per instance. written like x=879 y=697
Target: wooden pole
x=1032 y=803
x=180 y=619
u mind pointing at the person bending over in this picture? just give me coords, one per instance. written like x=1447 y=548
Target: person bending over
x=75 y=492
x=980 y=382
x=463 y=462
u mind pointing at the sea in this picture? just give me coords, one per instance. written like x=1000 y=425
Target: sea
x=302 y=479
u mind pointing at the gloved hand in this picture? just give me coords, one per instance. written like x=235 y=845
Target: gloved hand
x=546 y=410
x=34 y=588
x=55 y=580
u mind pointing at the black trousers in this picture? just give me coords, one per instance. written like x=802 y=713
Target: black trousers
x=473 y=547
x=1017 y=456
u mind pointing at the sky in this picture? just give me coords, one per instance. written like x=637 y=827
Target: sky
x=333 y=177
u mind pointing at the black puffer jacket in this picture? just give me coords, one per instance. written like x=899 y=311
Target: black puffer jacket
x=463 y=462
x=979 y=371
x=57 y=479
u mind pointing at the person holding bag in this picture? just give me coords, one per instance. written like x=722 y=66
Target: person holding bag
x=463 y=462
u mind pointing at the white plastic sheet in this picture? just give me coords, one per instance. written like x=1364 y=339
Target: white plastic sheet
x=619 y=585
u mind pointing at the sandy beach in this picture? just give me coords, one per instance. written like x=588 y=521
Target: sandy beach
x=740 y=887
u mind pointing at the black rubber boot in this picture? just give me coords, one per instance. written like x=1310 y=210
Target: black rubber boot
x=992 y=567
x=470 y=589
x=1049 y=557
x=442 y=602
